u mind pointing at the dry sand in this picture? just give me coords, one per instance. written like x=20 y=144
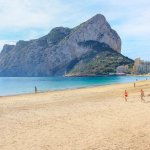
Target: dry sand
x=94 y=118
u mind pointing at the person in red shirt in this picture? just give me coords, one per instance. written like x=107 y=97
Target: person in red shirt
x=125 y=95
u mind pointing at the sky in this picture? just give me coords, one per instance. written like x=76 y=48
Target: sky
x=30 y=19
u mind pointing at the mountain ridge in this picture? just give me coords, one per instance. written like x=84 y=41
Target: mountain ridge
x=51 y=54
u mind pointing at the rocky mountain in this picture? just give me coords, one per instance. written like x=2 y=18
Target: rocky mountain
x=61 y=50
x=100 y=60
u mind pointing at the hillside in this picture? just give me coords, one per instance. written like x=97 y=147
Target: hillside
x=101 y=60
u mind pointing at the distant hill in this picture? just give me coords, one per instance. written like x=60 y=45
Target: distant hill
x=91 y=48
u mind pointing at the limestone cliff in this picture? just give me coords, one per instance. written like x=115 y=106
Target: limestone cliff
x=53 y=53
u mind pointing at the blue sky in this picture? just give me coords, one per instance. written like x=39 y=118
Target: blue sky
x=29 y=19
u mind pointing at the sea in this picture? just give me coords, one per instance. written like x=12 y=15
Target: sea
x=22 y=85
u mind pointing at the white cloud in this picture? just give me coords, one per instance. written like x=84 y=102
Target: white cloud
x=131 y=18
x=27 y=13
x=3 y=42
x=23 y=14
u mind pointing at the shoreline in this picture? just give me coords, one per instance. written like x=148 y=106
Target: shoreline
x=107 y=75
x=84 y=87
x=146 y=75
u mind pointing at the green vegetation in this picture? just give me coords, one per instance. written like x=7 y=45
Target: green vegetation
x=102 y=60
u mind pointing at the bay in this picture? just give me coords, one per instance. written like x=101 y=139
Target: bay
x=20 y=85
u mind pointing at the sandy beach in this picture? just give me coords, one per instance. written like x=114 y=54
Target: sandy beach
x=95 y=118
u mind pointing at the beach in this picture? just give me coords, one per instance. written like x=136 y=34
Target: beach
x=93 y=118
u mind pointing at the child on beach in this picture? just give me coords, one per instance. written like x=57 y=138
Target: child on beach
x=142 y=95
x=125 y=95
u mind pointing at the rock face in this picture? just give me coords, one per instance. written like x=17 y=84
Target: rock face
x=53 y=53
x=101 y=60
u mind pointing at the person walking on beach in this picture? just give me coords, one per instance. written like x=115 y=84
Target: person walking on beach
x=125 y=95
x=35 y=88
x=134 y=84
x=142 y=95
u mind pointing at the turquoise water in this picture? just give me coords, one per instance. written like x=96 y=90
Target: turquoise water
x=19 y=85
